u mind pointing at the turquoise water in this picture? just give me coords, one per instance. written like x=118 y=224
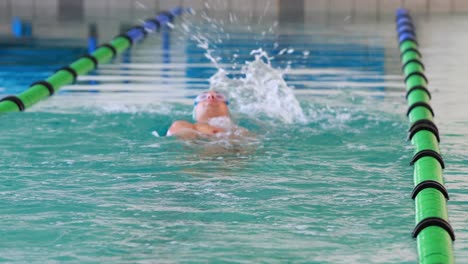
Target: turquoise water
x=86 y=178
x=86 y=187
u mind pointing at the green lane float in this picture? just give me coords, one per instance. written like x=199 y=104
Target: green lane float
x=433 y=232
x=68 y=74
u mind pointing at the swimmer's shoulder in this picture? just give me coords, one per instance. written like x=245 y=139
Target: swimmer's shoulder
x=180 y=126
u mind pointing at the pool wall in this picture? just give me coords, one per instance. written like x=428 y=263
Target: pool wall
x=87 y=9
x=46 y=16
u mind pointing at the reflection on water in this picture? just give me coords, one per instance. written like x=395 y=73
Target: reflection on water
x=218 y=157
x=223 y=149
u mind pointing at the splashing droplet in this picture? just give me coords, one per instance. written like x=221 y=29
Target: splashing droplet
x=262 y=91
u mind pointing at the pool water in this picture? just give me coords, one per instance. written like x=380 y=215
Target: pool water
x=88 y=175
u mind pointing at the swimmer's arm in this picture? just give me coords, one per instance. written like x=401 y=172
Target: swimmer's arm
x=182 y=129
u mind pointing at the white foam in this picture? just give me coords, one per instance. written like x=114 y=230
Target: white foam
x=222 y=122
x=262 y=91
x=155 y=133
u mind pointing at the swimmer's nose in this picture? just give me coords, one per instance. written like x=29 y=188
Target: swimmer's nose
x=211 y=97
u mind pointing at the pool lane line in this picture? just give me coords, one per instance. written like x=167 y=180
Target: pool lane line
x=433 y=232
x=103 y=54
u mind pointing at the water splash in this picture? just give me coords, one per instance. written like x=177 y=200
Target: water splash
x=262 y=91
x=217 y=28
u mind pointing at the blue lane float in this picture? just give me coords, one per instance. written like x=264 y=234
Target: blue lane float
x=433 y=232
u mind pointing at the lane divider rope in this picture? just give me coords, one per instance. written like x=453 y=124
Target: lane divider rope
x=433 y=232
x=67 y=75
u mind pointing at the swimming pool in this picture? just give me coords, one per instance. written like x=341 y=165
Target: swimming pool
x=326 y=179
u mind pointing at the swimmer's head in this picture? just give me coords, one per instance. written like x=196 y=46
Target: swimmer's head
x=210 y=104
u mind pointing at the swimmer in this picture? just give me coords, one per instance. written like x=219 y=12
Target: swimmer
x=212 y=118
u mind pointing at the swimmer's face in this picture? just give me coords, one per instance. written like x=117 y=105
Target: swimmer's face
x=210 y=104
